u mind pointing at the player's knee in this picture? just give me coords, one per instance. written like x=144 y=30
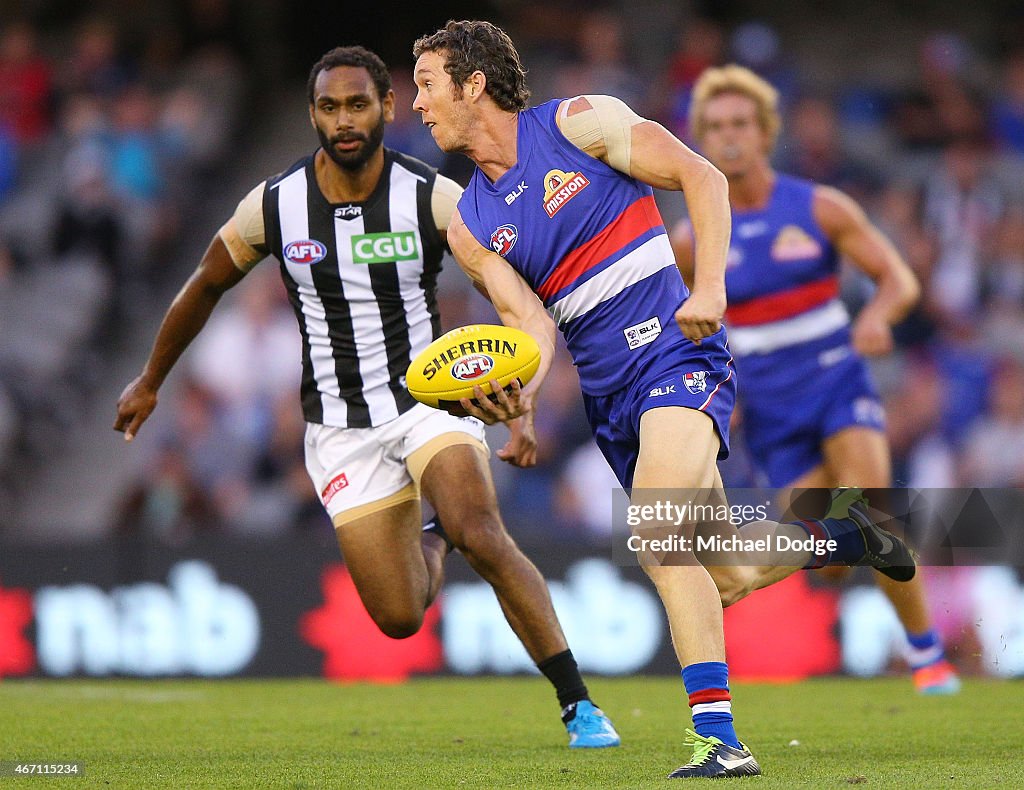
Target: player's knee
x=484 y=541
x=398 y=624
x=731 y=583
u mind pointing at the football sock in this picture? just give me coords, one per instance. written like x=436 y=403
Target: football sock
x=434 y=526
x=565 y=676
x=925 y=649
x=844 y=531
x=707 y=684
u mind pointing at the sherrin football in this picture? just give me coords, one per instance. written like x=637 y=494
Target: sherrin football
x=452 y=365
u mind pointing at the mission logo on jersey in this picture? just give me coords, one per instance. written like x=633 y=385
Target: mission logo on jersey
x=793 y=244
x=560 y=187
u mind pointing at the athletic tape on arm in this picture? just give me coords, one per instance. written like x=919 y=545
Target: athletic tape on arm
x=443 y=200
x=608 y=121
x=245 y=234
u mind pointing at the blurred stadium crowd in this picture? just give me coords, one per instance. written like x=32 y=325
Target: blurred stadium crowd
x=105 y=151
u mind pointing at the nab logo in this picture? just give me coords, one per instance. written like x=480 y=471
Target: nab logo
x=504 y=239
x=472 y=367
x=307 y=252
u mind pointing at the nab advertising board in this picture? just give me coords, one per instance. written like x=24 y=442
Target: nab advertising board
x=222 y=607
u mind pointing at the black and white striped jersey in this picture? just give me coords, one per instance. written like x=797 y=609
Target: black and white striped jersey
x=362 y=280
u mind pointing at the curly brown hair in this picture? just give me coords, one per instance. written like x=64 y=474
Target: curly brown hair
x=473 y=45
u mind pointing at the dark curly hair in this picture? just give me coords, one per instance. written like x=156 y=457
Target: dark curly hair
x=472 y=45
x=360 y=57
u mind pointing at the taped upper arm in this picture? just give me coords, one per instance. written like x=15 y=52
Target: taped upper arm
x=600 y=126
x=245 y=234
x=443 y=200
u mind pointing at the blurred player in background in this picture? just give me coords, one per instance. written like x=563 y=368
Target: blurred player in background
x=359 y=231
x=560 y=217
x=811 y=415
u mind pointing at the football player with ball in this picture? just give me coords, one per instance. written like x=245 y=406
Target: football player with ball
x=559 y=227
x=359 y=230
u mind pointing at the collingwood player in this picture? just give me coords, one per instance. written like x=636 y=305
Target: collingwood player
x=359 y=231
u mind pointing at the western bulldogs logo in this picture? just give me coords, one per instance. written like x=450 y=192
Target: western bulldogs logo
x=696 y=382
x=504 y=239
x=306 y=252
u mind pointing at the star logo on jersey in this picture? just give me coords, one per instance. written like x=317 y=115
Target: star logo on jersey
x=560 y=187
x=504 y=239
x=793 y=243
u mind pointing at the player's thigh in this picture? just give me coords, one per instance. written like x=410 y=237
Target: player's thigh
x=858 y=456
x=678 y=450
x=457 y=482
x=380 y=543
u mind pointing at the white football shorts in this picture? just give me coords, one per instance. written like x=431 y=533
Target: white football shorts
x=355 y=468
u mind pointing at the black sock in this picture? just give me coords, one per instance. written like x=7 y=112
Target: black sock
x=565 y=676
x=434 y=525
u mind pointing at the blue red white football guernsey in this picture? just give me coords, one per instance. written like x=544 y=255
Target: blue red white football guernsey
x=591 y=243
x=802 y=380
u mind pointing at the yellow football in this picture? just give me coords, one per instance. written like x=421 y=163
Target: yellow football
x=449 y=368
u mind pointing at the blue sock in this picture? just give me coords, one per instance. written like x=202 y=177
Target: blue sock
x=707 y=685
x=849 y=542
x=925 y=649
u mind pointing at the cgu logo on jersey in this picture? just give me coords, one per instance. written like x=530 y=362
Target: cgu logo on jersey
x=561 y=187
x=385 y=247
x=504 y=239
x=472 y=367
x=305 y=252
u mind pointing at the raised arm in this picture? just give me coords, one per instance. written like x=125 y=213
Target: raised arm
x=225 y=262
x=607 y=129
x=860 y=242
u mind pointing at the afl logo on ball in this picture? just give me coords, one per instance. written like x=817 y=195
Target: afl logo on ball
x=306 y=251
x=472 y=367
x=504 y=239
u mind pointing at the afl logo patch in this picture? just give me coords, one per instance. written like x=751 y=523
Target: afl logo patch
x=504 y=239
x=306 y=252
x=472 y=367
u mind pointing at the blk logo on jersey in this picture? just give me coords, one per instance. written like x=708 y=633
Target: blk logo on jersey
x=696 y=381
x=641 y=334
x=305 y=252
x=560 y=187
x=510 y=198
x=504 y=239
x=472 y=367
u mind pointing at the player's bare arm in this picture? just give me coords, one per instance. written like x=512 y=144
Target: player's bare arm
x=217 y=272
x=607 y=129
x=517 y=306
x=860 y=242
x=681 y=237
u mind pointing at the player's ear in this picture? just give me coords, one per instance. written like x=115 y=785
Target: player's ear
x=476 y=86
x=388 y=105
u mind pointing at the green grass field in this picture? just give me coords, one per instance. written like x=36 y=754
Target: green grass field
x=499 y=733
